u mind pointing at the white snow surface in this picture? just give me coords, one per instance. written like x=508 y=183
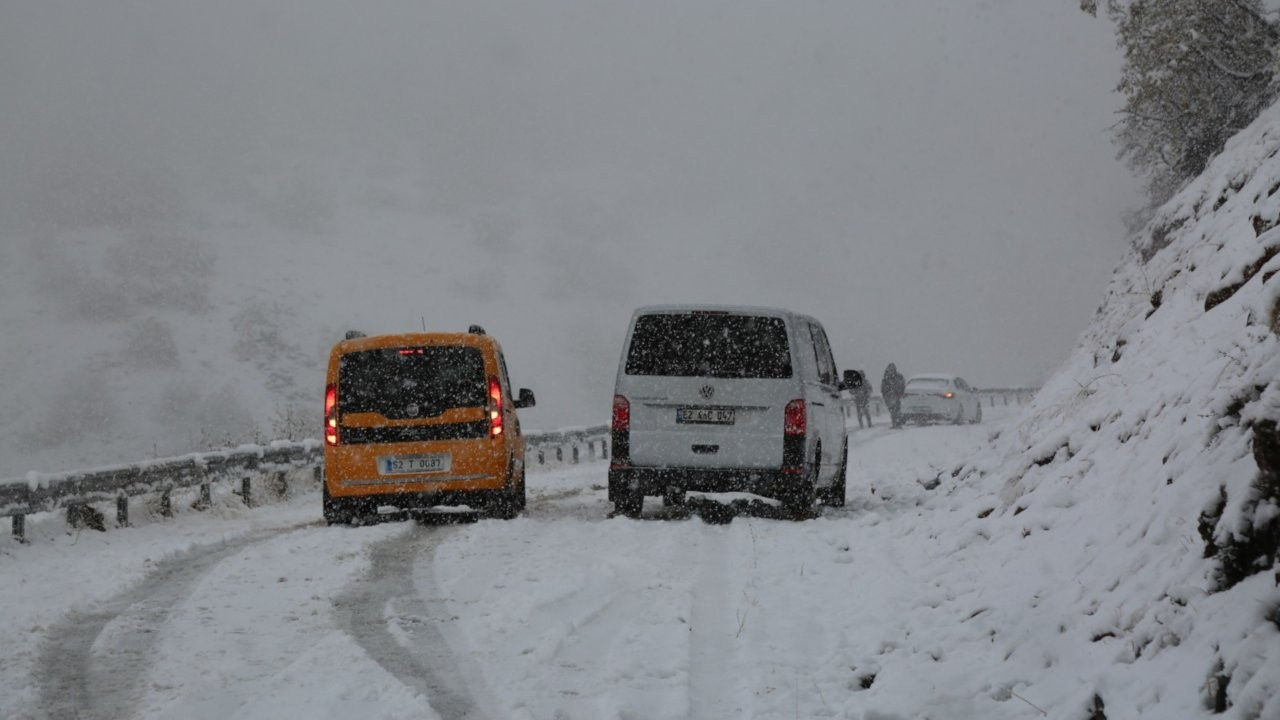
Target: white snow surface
x=562 y=613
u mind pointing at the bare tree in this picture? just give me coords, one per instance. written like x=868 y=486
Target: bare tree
x=1195 y=73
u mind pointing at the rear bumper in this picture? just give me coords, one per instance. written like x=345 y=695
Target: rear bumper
x=938 y=410
x=476 y=499
x=769 y=482
x=351 y=471
x=918 y=416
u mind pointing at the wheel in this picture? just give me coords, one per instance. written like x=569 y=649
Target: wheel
x=629 y=503
x=673 y=497
x=505 y=505
x=798 y=500
x=835 y=494
x=336 y=511
x=959 y=416
x=508 y=504
x=522 y=497
x=977 y=417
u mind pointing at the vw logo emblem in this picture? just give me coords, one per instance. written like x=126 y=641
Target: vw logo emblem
x=412 y=410
x=706 y=392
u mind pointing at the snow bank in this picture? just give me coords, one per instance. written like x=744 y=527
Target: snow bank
x=1145 y=469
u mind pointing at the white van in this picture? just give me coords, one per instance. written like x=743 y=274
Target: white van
x=727 y=399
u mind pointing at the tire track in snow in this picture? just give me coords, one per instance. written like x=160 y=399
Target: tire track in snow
x=86 y=672
x=387 y=597
x=715 y=619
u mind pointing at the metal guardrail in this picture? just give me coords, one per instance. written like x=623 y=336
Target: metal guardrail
x=74 y=490
x=567 y=445
x=44 y=492
x=994 y=397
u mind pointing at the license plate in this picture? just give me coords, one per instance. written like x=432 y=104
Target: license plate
x=705 y=416
x=414 y=464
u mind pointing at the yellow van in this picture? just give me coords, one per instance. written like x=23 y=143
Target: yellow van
x=418 y=420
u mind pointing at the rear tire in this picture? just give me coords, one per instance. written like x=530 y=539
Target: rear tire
x=835 y=494
x=798 y=500
x=629 y=503
x=508 y=504
x=336 y=510
x=673 y=497
x=977 y=418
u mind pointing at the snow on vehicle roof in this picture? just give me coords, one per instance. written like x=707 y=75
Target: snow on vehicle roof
x=932 y=376
x=734 y=309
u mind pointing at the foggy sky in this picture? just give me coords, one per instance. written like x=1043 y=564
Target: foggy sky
x=932 y=179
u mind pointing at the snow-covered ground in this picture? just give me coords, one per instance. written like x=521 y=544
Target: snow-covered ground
x=895 y=606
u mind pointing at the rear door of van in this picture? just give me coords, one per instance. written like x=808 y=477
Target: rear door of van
x=708 y=389
x=824 y=394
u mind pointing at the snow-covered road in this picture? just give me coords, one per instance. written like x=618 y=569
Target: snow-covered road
x=562 y=613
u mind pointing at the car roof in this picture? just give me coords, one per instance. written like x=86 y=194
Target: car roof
x=729 y=309
x=933 y=376
x=377 y=342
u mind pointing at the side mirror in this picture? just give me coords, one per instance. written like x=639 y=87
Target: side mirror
x=525 y=399
x=852 y=380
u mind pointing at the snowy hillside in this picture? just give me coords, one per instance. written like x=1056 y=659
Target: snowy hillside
x=192 y=328
x=1131 y=494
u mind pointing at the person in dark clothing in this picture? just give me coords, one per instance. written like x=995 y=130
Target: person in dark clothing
x=892 y=386
x=861 y=391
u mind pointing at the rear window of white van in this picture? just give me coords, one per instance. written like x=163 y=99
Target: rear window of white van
x=709 y=345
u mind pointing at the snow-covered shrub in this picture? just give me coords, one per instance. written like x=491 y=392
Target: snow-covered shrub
x=150 y=344
x=81 y=408
x=97 y=276
x=259 y=332
x=194 y=419
x=163 y=271
x=224 y=421
x=296 y=421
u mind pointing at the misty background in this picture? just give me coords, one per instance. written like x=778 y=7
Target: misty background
x=197 y=199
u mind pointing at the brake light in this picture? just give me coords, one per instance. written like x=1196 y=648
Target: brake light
x=621 y=433
x=793 y=418
x=793 y=439
x=331 y=415
x=621 y=414
x=495 y=407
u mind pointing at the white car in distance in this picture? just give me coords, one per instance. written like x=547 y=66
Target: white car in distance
x=940 y=397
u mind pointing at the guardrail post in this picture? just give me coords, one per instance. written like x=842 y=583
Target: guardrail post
x=166 y=503
x=604 y=449
x=542 y=458
x=575 y=454
x=206 y=495
x=315 y=473
x=122 y=510
x=559 y=454
x=20 y=528
x=591 y=450
x=282 y=484
x=245 y=492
